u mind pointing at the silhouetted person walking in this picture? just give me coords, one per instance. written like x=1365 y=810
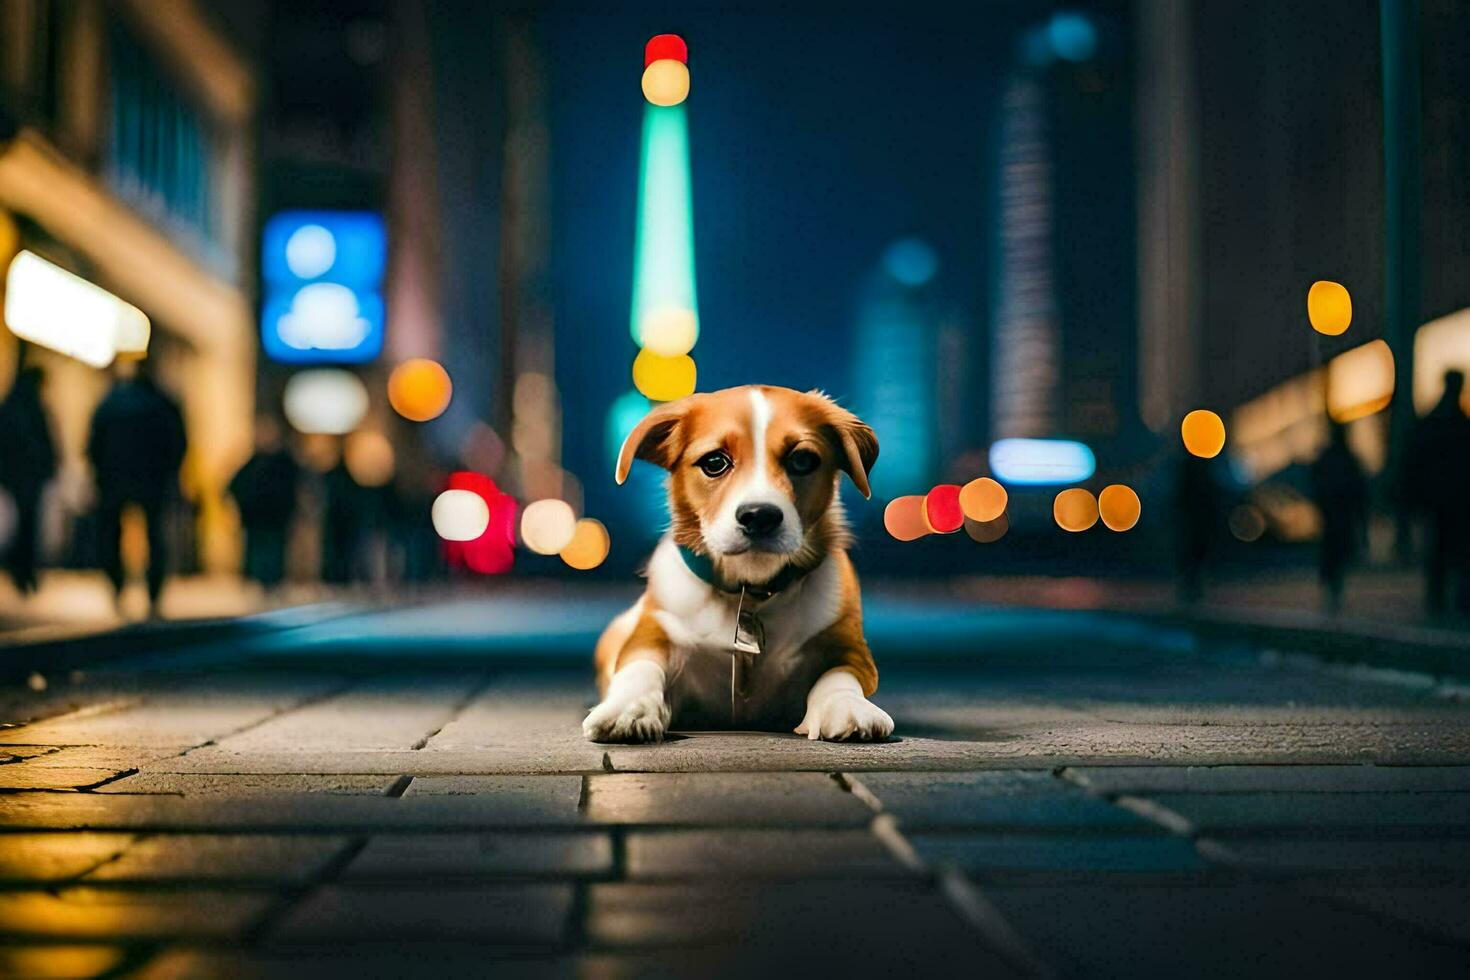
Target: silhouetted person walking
x=27 y=462
x=136 y=447
x=1439 y=484
x=344 y=514
x=1341 y=492
x=265 y=491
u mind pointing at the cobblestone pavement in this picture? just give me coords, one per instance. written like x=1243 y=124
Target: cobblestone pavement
x=381 y=796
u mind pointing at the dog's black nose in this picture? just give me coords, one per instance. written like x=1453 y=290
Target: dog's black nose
x=758 y=519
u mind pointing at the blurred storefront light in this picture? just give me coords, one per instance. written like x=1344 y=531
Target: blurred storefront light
x=55 y=309
x=1041 y=462
x=323 y=273
x=325 y=401
x=419 y=389
x=1440 y=345
x=1329 y=307
x=1360 y=382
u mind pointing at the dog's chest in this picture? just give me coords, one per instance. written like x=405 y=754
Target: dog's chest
x=711 y=684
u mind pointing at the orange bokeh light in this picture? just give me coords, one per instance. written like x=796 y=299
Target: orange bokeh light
x=589 y=545
x=1119 y=507
x=904 y=518
x=1329 y=307
x=1075 y=509
x=419 y=389
x=1203 y=432
x=983 y=500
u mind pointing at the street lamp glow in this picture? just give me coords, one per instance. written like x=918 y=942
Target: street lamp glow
x=1203 y=433
x=1075 y=509
x=1119 y=507
x=419 y=389
x=1329 y=307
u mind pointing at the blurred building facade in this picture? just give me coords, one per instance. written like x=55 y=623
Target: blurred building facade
x=127 y=158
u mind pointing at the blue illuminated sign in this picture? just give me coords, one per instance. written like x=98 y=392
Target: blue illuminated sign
x=323 y=273
x=1041 y=462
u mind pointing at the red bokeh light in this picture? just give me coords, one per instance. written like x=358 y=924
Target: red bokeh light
x=662 y=46
x=942 y=508
x=493 y=552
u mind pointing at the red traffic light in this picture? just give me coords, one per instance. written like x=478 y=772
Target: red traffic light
x=662 y=46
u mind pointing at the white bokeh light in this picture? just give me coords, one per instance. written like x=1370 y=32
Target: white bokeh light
x=310 y=251
x=325 y=401
x=460 y=515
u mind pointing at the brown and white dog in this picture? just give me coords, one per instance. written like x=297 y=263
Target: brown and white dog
x=757 y=542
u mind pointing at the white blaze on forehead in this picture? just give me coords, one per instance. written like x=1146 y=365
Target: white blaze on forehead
x=760 y=421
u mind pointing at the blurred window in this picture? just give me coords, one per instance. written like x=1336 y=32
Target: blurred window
x=159 y=146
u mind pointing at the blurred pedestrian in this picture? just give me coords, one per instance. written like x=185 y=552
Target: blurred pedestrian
x=265 y=491
x=1196 y=510
x=136 y=448
x=1340 y=490
x=27 y=463
x=345 y=510
x=1439 y=486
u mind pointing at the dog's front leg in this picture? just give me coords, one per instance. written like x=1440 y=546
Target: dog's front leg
x=633 y=707
x=836 y=710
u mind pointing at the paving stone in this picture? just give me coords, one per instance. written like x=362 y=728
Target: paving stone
x=438 y=856
x=1437 y=909
x=522 y=914
x=1317 y=812
x=1418 y=858
x=554 y=803
x=532 y=719
x=381 y=714
x=103 y=757
x=204 y=710
x=758 y=854
x=247 y=858
x=26 y=776
x=218 y=784
x=723 y=799
x=1000 y=854
x=1257 y=779
x=11 y=754
x=59 y=962
x=109 y=914
x=876 y=927
x=55 y=857
x=1026 y=801
x=1212 y=931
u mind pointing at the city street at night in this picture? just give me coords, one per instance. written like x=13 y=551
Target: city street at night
x=1076 y=793
x=681 y=490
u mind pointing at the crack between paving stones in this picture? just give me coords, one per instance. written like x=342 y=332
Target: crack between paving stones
x=962 y=895
x=293 y=895
x=454 y=713
x=399 y=787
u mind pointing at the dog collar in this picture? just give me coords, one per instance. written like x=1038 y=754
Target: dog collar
x=704 y=569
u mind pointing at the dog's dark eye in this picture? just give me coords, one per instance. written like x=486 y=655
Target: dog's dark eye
x=714 y=464
x=802 y=462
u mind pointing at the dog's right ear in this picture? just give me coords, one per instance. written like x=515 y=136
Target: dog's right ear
x=652 y=439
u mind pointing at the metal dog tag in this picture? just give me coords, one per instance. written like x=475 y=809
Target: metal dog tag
x=750 y=634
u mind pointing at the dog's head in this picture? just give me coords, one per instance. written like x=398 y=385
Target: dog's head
x=753 y=472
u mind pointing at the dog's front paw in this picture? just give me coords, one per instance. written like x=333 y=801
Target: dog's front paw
x=638 y=719
x=845 y=716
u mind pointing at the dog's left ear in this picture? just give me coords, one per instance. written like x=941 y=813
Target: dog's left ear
x=652 y=439
x=854 y=439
